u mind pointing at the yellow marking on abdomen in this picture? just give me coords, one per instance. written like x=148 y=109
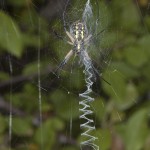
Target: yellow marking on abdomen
x=78 y=46
x=82 y=34
x=77 y=34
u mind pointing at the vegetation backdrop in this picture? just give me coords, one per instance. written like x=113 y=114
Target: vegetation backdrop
x=31 y=47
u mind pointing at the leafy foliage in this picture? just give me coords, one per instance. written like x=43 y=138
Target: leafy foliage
x=33 y=31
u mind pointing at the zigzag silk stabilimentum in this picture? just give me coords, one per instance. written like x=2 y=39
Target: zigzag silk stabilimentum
x=85 y=109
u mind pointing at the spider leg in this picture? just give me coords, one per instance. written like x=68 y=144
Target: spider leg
x=87 y=39
x=67 y=57
x=70 y=36
x=69 y=42
x=90 y=37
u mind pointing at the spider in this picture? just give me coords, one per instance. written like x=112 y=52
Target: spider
x=79 y=39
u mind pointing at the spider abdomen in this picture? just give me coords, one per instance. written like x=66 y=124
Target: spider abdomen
x=78 y=46
x=79 y=30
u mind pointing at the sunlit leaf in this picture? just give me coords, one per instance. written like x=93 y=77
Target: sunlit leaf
x=10 y=36
x=137 y=130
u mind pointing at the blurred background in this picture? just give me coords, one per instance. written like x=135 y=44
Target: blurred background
x=39 y=109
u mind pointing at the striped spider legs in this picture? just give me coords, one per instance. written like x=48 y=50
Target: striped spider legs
x=79 y=39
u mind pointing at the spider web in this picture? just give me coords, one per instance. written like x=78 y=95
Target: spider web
x=99 y=51
x=72 y=12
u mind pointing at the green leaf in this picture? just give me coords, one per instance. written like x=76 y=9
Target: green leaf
x=146 y=71
x=48 y=132
x=147 y=21
x=64 y=104
x=144 y=44
x=137 y=130
x=10 y=36
x=19 y=3
x=147 y=143
x=75 y=78
x=118 y=85
x=125 y=69
x=104 y=139
x=131 y=96
x=130 y=17
x=69 y=148
x=99 y=108
x=30 y=40
x=2 y=124
x=136 y=56
x=27 y=100
x=108 y=40
x=30 y=68
x=123 y=94
x=21 y=127
x=3 y=76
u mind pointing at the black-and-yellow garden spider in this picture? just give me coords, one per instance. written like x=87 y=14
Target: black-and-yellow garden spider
x=79 y=39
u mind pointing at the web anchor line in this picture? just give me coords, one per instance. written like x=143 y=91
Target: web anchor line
x=85 y=110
